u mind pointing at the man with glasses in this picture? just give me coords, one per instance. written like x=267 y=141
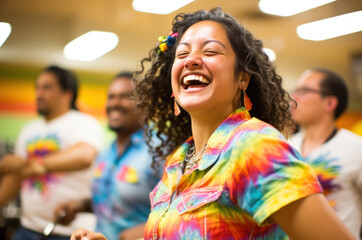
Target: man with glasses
x=336 y=154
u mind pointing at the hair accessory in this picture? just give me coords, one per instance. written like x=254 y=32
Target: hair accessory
x=176 y=108
x=166 y=42
x=247 y=103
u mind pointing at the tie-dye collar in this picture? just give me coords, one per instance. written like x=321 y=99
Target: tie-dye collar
x=214 y=145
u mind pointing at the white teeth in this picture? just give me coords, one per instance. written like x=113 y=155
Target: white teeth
x=200 y=78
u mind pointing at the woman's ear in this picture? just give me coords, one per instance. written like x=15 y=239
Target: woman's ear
x=244 y=79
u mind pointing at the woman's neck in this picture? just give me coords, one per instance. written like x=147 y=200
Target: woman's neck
x=203 y=126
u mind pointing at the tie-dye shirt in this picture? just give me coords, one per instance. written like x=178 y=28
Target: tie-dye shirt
x=121 y=187
x=338 y=165
x=247 y=173
x=40 y=195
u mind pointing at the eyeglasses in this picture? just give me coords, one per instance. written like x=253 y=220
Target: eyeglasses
x=305 y=90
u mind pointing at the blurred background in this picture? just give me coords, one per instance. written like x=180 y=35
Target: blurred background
x=40 y=29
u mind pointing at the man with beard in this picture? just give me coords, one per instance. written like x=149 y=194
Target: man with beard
x=123 y=176
x=53 y=157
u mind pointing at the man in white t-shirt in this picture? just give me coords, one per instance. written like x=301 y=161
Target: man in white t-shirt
x=335 y=154
x=53 y=158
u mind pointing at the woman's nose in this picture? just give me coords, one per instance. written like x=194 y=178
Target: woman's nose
x=193 y=61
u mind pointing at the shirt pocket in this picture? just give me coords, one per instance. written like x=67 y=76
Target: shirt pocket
x=159 y=194
x=197 y=198
x=128 y=174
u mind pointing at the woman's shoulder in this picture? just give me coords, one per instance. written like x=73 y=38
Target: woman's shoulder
x=258 y=129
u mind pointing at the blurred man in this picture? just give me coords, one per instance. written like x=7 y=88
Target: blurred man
x=335 y=154
x=53 y=157
x=123 y=176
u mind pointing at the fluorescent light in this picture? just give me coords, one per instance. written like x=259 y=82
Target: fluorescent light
x=331 y=27
x=287 y=8
x=91 y=45
x=159 y=6
x=270 y=53
x=5 y=30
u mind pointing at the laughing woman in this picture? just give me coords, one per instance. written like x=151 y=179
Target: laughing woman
x=219 y=108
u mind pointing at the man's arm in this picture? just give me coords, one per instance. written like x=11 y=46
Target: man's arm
x=9 y=188
x=76 y=157
x=11 y=163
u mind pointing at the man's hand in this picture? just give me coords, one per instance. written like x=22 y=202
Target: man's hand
x=70 y=209
x=11 y=163
x=84 y=234
x=31 y=169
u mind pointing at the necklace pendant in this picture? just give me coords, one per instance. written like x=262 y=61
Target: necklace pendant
x=191 y=163
x=192 y=158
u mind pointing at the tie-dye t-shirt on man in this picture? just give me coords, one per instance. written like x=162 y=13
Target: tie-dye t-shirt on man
x=36 y=148
x=247 y=173
x=40 y=195
x=338 y=165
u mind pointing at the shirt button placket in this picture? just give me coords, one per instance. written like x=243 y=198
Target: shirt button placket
x=158 y=224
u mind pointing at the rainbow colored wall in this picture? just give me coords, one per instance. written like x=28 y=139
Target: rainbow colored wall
x=17 y=97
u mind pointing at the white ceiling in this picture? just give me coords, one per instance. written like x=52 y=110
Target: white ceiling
x=41 y=29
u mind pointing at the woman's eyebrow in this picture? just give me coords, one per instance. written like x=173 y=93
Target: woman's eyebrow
x=184 y=43
x=216 y=41
x=206 y=42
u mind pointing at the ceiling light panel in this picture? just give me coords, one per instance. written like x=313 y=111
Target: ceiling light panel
x=159 y=6
x=287 y=8
x=5 y=30
x=270 y=53
x=331 y=27
x=91 y=46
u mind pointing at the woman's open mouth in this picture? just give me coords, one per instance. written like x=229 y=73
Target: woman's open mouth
x=194 y=81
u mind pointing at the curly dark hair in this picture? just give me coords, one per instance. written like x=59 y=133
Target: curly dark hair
x=153 y=87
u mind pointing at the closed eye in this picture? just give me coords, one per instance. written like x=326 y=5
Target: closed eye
x=181 y=54
x=211 y=52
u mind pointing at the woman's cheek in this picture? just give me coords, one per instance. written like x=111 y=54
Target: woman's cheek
x=175 y=74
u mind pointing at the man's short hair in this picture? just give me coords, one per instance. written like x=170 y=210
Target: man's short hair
x=66 y=80
x=333 y=84
x=124 y=74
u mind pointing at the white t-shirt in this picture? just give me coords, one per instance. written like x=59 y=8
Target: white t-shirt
x=338 y=164
x=40 y=195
